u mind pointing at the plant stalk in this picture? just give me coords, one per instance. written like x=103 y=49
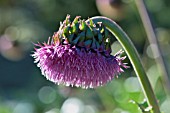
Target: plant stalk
x=132 y=53
x=153 y=40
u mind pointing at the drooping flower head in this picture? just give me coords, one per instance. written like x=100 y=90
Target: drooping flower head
x=79 y=54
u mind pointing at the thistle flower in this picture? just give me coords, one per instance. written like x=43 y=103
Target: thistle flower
x=79 y=54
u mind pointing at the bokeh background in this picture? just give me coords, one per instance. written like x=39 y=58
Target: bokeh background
x=24 y=90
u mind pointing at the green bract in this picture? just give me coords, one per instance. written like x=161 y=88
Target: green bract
x=81 y=34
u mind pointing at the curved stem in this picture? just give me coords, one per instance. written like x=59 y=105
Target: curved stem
x=134 y=58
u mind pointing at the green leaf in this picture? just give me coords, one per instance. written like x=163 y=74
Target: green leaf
x=89 y=33
x=83 y=26
x=88 y=43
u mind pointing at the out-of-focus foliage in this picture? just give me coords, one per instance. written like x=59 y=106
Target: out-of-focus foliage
x=24 y=90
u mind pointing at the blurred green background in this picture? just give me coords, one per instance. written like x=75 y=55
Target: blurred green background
x=24 y=90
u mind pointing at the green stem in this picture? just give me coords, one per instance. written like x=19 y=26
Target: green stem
x=153 y=40
x=132 y=53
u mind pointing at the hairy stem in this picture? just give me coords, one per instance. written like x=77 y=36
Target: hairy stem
x=134 y=58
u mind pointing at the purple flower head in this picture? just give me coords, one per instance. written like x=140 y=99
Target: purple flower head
x=79 y=55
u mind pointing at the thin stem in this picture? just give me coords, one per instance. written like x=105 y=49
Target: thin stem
x=153 y=40
x=134 y=58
